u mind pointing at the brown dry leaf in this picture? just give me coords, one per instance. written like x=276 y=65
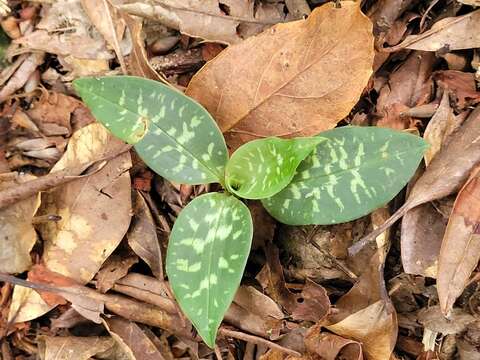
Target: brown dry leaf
x=470 y=2
x=290 y=83
x=51 y=34
x=203 y=18
x=17 y=235
x=421 y=237
x=446 y=174
x=314 y=305
x=408 y=86
x=139 y=64
x=71 y=347
x=332 y=347
x=105 y=18
x=366 y=313
x=257 y=303
x=441 y=125
x=115 y=268
x=95 y=210
x=142 y=236
x=52 y=113
x=460 y=251
x=452 y=33
x=461 y=85
x=132 y=339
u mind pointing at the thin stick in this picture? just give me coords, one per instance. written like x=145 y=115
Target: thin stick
x=257 y=340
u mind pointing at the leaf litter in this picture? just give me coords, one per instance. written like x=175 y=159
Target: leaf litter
x=84 y=223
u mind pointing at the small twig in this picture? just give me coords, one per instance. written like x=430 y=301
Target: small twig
x=257 y=340
x=218 y=354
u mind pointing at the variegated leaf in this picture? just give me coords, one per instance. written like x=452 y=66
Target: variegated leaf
x=172 y=133
x=207 y=253
x=355 y=171
x=261 y=168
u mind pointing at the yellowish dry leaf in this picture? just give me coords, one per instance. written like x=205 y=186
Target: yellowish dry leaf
x=95 y=211
x=439 y=127
x=17 y=235
x=293 y=79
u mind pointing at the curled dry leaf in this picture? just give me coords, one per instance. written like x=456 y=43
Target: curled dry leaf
x=439 y=127
x=202 y=18
x=314 y=305
x=452 y=33
x=71 y=347
x=139 y=64
x=461 y=85
x=142 y=236
x=332 y=347
x=17 y=235
x=460 y=251
x=447 y=172
x=96 y=207
x=132 y=339
x=289 y=84
x=115 y=268
x=257 y=303
x=107 y=21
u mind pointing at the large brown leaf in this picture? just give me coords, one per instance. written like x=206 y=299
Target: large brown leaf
x=95 y=213
x=297 y=78
x=460 y=249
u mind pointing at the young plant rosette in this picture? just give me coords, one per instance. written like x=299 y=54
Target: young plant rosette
x=337 y=176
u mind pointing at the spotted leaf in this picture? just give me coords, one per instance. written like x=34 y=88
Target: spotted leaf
x=207 y=253
x=353 y=172
x=173 y=134
x=261 y=168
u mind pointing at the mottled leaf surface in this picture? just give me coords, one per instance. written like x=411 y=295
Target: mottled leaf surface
x=261 y=168
x=207 y=253
x=173 y=134
x=355 y=171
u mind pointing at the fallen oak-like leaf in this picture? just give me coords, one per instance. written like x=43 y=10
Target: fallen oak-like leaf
x=460 y=251
x=447 y=172
x=452 y=33
x=289 y=84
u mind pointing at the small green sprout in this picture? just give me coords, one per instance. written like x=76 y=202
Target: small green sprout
x=335 y=177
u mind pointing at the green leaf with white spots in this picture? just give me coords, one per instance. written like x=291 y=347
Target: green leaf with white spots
x=207 y=253
x=357 y=170
x=262 y=168
x=173 y=134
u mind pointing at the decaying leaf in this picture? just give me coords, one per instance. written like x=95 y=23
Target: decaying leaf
x=115 y=268
x=142 y=236
x=452 y=33
x=446 y=174
x=17 y=235
x=203 y=18
x=442 y=124
x=71 y=347
x=460 y=251
x=96 y=207
x=289 y=84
